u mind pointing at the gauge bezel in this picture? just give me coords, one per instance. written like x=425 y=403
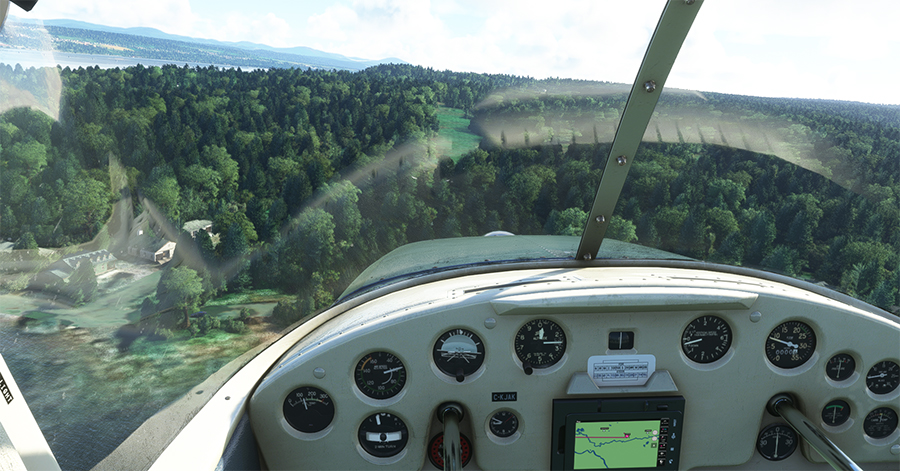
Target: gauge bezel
x=790 y=364
x=390 y=456
x=890 y=365
x=305 y=430
x=865 y=423
x=849 y=375
x=716 y=350
x=398 y=385
x=788 y=430
x=836 y=402
x=555 y=356
x=471 y=370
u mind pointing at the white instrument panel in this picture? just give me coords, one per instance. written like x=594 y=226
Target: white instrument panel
x=652 y=308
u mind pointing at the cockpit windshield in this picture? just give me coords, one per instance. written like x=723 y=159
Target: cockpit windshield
x=181 y=181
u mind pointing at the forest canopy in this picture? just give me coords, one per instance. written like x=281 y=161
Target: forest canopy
x=308 y=176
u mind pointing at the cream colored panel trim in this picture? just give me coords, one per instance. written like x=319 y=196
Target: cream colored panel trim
x=623 y=300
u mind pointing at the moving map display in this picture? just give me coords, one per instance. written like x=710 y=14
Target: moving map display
x=614 y=445
x=617 y=433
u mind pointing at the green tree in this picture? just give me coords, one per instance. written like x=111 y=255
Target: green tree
x=182 y=287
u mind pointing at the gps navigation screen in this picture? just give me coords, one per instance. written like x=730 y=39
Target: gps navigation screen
x=614 y=445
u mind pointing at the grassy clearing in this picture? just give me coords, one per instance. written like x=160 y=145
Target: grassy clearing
x=248 y=297
x=454 y=138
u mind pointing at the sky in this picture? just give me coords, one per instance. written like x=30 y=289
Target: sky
x=831 y=49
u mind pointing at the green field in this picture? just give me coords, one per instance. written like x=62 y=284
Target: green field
x=454 y=138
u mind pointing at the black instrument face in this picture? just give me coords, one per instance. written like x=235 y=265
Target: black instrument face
x=791 y=344
x=836 y=412
x=458 y=353
x=776 y=442
x=308 y=409
x=383 y=435
x=380 y=375
x=706 y=339
x=540 y=343
x=880 y=423
x=840 y=367
x=884 y=377
x=504 y=424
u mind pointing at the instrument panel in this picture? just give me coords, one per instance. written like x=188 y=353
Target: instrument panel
x=360 y=391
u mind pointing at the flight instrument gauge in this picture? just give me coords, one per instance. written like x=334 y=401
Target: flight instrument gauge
x=458 y=353
x=791 y=344
x=836 y=412
x=308 y=409
x=840 y=367
x=776 y=442
x=884 y=377
x=380 y=375
x=706 y=339
x=540 y=343
x=504 y=424
x=383 y=435
x=880 y=423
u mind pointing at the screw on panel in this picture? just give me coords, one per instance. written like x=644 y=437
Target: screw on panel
x=587 y=256
x=490 y=322
x=600 y=219
x=319 y=372
x=689 y=2
x=755 y=316
x=649 y=85
x=621 y=160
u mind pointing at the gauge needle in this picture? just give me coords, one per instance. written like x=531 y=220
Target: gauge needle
x=553 y=342
x=305 y=406
x=692 y=342
x=392 y=370
x=882 y=375
x=789 y=344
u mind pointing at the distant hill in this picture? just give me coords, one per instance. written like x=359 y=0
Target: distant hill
x=150 y=43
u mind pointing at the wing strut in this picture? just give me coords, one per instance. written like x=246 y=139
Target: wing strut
x=673 y=27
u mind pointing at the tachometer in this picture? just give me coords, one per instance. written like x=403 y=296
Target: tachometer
x=884 y=377
x=308 y=409
x=540 y=343
x=380 y=375
x=706 y=339
x=458 y=353
x=791 y=344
